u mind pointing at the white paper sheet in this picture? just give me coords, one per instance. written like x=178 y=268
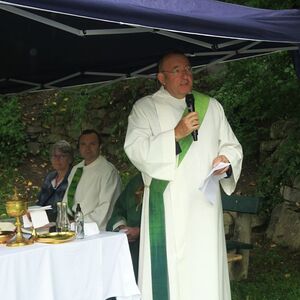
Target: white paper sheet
x=7 y=226
x=37 y=207
x=38 y=216
x=210 y=184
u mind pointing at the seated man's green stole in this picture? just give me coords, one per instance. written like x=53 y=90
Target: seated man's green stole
x=73 y=187
x=159 y=268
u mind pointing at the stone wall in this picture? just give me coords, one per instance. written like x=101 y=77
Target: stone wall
x=43 y=127
x=284 y=226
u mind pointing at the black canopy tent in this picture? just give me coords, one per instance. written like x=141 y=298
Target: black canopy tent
x=58 y=43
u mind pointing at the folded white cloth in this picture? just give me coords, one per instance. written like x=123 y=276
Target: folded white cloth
x=90 y=228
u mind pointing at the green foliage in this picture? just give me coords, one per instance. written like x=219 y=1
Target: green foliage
x=9 y=179
x=68 y=106
x=67 y=112
x=12 y=133
x=280 y=169
x=12 y=150
x=255 y=93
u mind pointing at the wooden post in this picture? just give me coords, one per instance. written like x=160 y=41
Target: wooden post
x=242 y=232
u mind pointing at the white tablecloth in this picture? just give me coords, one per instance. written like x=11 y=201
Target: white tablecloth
x=95 y=268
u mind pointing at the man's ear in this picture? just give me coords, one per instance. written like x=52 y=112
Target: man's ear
x=161 y=78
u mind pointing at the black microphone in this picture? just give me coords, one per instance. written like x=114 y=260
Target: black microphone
x=190 y=103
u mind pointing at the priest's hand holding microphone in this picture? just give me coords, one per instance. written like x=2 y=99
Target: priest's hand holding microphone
x=189 y=124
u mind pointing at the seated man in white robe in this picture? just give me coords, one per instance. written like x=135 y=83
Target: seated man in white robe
x=182 y=241
x=94 y=183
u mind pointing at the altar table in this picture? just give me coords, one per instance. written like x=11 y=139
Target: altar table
x=95 y=268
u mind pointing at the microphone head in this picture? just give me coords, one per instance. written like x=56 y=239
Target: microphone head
x=190 y=102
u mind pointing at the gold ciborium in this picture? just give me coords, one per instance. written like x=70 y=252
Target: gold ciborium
x=16 y=208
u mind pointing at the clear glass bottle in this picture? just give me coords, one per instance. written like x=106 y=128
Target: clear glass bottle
x=65 y=223
x=79 y=223
x=59 y=216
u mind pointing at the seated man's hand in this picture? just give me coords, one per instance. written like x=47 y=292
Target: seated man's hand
x=132 y=233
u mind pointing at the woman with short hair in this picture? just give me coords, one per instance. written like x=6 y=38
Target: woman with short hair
x=56 y=182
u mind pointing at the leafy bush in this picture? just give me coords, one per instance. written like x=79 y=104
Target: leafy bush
x=70 y=106
x=280 y=169
x=12 y=133
x=254 y=94
x=12 y=146
x=9 y=179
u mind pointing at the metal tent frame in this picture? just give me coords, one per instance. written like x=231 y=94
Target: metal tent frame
x=203 y=49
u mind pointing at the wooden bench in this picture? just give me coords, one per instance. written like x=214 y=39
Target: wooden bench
x=234 y=257
x=238 y=241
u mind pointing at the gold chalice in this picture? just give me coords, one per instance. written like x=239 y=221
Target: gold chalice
x=16 y=208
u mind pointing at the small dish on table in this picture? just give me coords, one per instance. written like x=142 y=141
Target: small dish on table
x=56 y=237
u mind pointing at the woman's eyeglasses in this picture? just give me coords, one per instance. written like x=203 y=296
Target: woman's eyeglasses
x=59 y=156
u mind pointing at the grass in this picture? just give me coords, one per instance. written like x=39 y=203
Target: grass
x=274 y=274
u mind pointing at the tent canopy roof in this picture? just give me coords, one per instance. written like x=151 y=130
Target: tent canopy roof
x=59 y=43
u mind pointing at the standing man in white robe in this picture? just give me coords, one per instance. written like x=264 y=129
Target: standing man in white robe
x=193 y=233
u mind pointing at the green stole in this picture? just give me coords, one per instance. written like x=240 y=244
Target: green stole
x=73 y=187
x=159 y=268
